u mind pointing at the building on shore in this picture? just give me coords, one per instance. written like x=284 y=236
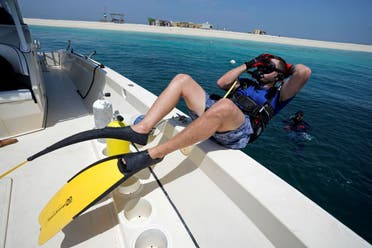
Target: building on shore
x=206 y=25
x=115 y=17
x=258 y=31
x=158 y=22
x=164 y=23
x=186 y=25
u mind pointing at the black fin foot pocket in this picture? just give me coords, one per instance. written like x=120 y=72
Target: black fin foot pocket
x=127 y=133
x=135 y=162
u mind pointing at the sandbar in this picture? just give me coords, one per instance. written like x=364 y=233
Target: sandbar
x=198 y=32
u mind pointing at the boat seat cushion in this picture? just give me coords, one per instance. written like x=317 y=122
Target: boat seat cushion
x=5 y=17
x=10 y=79
x=15 y=58
x=15 y=95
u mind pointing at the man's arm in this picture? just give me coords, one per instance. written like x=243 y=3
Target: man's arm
x=229 y=77
x=299 y=76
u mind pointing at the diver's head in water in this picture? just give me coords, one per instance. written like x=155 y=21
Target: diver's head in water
x=299 y=116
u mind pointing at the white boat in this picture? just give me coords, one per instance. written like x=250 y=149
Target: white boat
x=200 y=196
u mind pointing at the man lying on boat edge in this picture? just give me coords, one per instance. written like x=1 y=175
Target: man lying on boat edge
x=232 y=121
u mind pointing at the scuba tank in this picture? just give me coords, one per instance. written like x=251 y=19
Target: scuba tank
x=116 y=146
x=102 y=112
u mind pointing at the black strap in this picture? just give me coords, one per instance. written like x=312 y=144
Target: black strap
x=259 y=115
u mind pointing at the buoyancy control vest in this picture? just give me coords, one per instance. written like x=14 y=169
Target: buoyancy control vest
x=259 y=103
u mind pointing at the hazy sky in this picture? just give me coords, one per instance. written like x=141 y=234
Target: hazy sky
x=331 y=20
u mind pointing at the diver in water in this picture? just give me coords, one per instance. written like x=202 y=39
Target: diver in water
x=296 y=123
x=297 y=129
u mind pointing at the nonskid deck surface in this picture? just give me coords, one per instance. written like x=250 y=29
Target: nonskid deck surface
x=37 y=181
x=64 y=103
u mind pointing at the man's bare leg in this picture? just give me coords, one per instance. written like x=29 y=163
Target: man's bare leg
x=222 y=116
x=181 y=85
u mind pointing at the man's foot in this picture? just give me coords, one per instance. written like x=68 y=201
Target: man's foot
x=134 y=162
x=127 y=133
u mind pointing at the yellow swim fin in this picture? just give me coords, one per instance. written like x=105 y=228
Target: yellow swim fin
x=88 y=187
x=77 y=195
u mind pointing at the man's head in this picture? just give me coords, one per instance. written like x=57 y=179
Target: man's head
x=299 y=116
x=271 y=69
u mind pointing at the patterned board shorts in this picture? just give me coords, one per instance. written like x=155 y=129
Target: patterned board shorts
x=235 y=139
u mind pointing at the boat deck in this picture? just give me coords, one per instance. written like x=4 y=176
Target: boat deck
x=33 y=185
x=202 y=196
x=64 y=103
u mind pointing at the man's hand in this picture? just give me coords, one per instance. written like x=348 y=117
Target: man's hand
x=261 y=60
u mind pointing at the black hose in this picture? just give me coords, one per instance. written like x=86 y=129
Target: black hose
x=92 y=82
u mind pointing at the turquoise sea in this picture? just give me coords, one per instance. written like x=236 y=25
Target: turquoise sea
x=331 y=164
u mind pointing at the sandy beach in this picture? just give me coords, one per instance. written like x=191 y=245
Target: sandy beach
x=199 y=32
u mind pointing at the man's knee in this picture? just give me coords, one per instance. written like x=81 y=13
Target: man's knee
x=183 y=77
x=224 y=108
x=229 y=116
x=226 y=105
x=186 y=84
x=180 y=80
